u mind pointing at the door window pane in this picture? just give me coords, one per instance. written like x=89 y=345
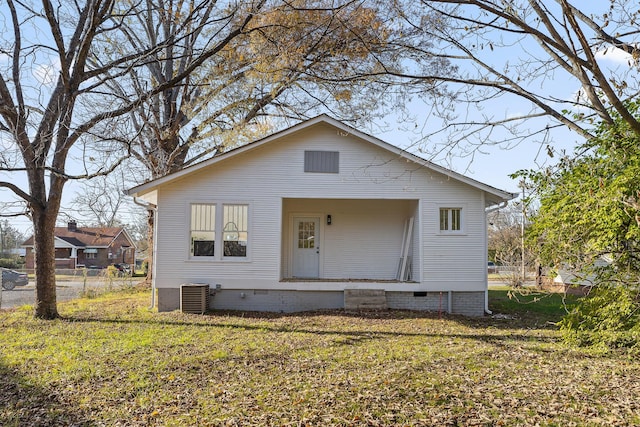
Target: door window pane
x=306 y=234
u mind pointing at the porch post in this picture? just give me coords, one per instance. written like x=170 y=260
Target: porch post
x=74 y=257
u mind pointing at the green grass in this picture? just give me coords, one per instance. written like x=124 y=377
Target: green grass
x=530 y=303
x=110 y=361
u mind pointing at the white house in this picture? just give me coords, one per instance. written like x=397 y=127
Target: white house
x=321 y=216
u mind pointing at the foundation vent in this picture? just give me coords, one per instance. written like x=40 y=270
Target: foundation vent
x=194 y=298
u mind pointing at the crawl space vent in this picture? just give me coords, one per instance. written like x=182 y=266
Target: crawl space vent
x=194 y=298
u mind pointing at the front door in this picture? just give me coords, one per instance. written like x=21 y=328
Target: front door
x=306 y=247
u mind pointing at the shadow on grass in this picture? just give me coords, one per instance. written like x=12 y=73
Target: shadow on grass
x=23 y=404
x=488 y=329
x=532 y=305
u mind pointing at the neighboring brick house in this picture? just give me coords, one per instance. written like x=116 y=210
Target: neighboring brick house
x=91 y=247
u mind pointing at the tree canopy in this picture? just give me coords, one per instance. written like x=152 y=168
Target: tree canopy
x=590 y=205
x=588 y=223
x=294 y=60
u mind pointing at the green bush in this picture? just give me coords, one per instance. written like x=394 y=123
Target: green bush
x=8 y=263
x=111 y=272
x=608 y=318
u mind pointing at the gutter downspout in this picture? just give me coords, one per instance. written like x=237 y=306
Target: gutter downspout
x=486 y=291
x=501 y=205
x=154 y=208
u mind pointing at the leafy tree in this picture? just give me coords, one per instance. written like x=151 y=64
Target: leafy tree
x=513 y=54
x=590 y=210
x=608 y=319
x=10 y=238
x=589 y=205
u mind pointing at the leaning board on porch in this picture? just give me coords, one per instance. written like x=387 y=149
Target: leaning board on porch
x=404 y=264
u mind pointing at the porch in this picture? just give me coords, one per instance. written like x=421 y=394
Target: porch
x=366 y=243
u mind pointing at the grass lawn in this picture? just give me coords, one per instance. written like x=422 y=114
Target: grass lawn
x=112 y=362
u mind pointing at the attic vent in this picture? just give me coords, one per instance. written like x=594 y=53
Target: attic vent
x=322 y=161
x=194 y=298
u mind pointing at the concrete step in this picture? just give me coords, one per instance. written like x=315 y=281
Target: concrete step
x=365 y=299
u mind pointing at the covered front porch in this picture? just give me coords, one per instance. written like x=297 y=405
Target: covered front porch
x=366 y=243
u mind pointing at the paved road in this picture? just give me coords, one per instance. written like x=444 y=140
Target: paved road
x=26 y=294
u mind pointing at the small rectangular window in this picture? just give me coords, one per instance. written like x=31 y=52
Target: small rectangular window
x=203 y=230
x=90 y=253
x=235 y=231
x=322 y=161
x=450 y=219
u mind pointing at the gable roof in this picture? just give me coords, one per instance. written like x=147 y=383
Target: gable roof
x=495 y=196
x=81 y=237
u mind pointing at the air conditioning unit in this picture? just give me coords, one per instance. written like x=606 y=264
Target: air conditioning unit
x=194 y=298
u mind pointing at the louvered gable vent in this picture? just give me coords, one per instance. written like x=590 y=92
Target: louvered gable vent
x=322 y=161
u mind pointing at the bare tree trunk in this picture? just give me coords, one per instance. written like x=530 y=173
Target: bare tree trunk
x=45 y=264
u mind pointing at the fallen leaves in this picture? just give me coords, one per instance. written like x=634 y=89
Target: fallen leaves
x=123 y=367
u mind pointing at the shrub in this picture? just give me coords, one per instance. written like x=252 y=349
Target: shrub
x=8 y=263
x=608 y=318
x=111 y=272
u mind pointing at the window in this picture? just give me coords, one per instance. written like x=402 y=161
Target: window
x=225 y=223
x=235 y=231
x=322 y=161
x=450 y=219
x=90 y=253
x=203 y=230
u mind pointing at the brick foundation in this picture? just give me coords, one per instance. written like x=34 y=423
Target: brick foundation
x=464 y=303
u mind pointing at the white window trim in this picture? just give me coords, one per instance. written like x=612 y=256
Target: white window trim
x=218 y=256
x=463 y=219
